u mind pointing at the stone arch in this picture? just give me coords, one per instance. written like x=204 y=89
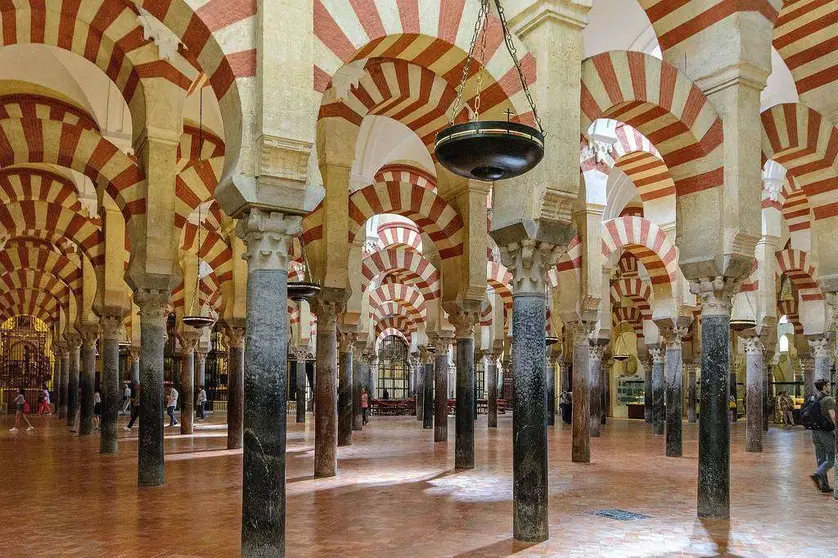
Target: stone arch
x=200 y=164
x=28 y=301
x=649 y=174
x=36 y=280
x=388 y=331
x=630 y=315
x=638 y=291
x=11 y=309
x=401 y=172
x=31 y=105
x=410 y=296
x=24 y=183
x=419 y=270
x=500 y=279
x=214 y=249
x=648 y=242
x=394 y=234
x=16 y=257
x=796 y=265
x=395 y=308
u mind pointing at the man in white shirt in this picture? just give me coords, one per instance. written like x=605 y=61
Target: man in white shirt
x=126 y=399
x=171 y=403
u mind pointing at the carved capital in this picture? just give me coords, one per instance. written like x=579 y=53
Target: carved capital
x=235 y=337
x=134 y=354
x=442 y=342
x=672 y=336
x=716 y=294
x=346 y=340
x=153 y=304
x=268 y=236
x=596 y=352
x=188 y=341
x=200 y=356
x=111 y=327
x=327 y=312
x=657 y=353
x=73 y=341
x=579 y=332
x=528 y=261
x=820 y=347
x=89 y=334
x=463 y=317
x=752 y=345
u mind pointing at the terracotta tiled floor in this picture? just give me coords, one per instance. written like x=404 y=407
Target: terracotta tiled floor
x=397 y=494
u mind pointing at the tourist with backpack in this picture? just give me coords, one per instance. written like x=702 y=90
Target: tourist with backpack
x=818 y=415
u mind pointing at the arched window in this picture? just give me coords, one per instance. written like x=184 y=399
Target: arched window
x=393 y=369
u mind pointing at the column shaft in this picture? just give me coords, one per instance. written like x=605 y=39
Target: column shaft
x=135 y=371
x=550 y=375
x=692 y=397
x=301 y=389
x=420 y=389
x=428 y=397
x=754 y=394
x=152 y=343
x=595 y=375
x=441 y=390
x=65 y=384
x=86 y=384
x=674 y=407
x=73 y=386
x=111 y=396
x=492 y=382
x=581 y=448
x=236 y=394
x=326 y=403
x=464 y=416
x=658 y=392
x=359 y=378
x=345 y=389
x=647 y=392
x=187 y=383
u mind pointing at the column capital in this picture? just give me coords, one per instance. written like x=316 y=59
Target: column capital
x=596 y=352
x=820 y=346
x=188 y=341
x=442 y=341
x=268 y=236
x=463 y=315
x=200 y=355
x=752 y=345
x=111 y=327
x=528 y=261
x=346 y=339
x=716 y=294
x=89 y=334
x=73 y=341
x=672 y=335
x=326 y=311
x=235 y=336
x=579 y=331
x=135 y=353
x=153 y=303
x=657 y=353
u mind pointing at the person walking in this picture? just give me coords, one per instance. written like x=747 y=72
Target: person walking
x=202 y=401
x=365 y=405
x=819 y=416
x=97 y=408
x=22 y=409
x=44 y=408
x=135 y=407
x=171 y=403
x=126 y=399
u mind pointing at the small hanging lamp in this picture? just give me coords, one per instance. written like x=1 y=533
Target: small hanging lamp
x=489 y=150
x=620 y=354
x=550 y=340
x=306 y=289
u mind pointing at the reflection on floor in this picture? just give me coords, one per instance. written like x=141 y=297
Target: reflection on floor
x=396 y=494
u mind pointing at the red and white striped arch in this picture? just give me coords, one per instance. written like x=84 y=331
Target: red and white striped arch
x=652 y=246
x=500 y=280
x=649 y=174
x=394 y=234
x=406 y=173
x=410 y=296
x=571 y=261
x=213 y=249
x=399 y=323
x=387 y=332
x=30 y=105
x=795 y=208
x=11 y=309
x=806 y=144
x=20 y=256
x=419 y=271
x=665 y=106
x=636 y=290
x=803 y=274
x=37 y=184
x=31 y=301
x=36 y=280
x=395 y=308
x=200 y=164
x=790 y=309
x=630 y=315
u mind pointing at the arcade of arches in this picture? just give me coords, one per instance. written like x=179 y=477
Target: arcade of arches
x=674 y=252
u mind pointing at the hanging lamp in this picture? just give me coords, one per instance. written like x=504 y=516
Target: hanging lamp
x=550 y=340
x=306 y=289
x=493 y=149
x=194 y=318
x=620 y=355
x=745 y=320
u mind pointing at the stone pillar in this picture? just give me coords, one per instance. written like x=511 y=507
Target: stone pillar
x=301 y=353
x=236 y=383
x=188 y=342
x=360 y=376
x=65 y=383
x=111 y=394
x=821 y=353
x=443 y=345
x=596 y=387
x=606 y=390
x=658 y=355
x=492 y=383
x=56 y=380
x=87 y=373
x=200 y=367
x=463 y=322
x=551 y=389
x=673 y=394
x=153 y=316
x=345 y=389
x=807 y=363
x=647 y=389
x=428 y=389
x=692 y=395
x=326 y=401
x=581 y=447
x=135 y=367
x=768 y=379
x=268 y=237
x=420 y=383
x=754 y=393
x=372 y=358
x=74 y=344
x=713 y=426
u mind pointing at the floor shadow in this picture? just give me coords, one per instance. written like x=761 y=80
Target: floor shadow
x=299 y=479
x=719 y=532
x=506 y=547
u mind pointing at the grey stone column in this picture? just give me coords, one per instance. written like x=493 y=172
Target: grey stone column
x=301 y=353
x=188 y=342
x=442 y=343
x=492 y=383
x=65 y=383
x=673 y=391
x=692 y=394
x=564 y=375
x=658 y=355
x=807 y=363
x=463 y=319
x=345 y=389
x=606 y=389
x=428 y=395
x=372 y=358
x=768 y=379
x=821 y=353
x=111 y=396
x=754 y=395
x=596 y=387
x=89 y=334
x=581 y=446
x=326 y=401
x=200 y=367
x=153 y=316
x=74 y=344
x=360 y=377
x=135 y=367
x=420 y=383
x=550 y=375
x=56 y=380
x=268 y=237
x=236 y=383
x=714 y=426
x=647 y=388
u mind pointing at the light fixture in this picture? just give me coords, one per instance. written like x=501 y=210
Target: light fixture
x=620 y=355
x=306 y=289
x=550 y=340
x=495 y=149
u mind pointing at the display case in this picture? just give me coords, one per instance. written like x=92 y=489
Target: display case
x=631 y=390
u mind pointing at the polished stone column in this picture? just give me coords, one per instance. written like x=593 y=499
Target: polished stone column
x=442 y=343
x=56 y=380
x=658 y=355
x=325 y=387
x=428 y=389
x=492 y=384
x=421 y=357
x=89 y=334
x=807 y=363
x=606 y=390
x=135 y=367
x=768 y=379
x=188 y=342
x=360 y=377
x=200 y=367
x=551 y=388
x=236 y=385
x=74 y=343
x=596 y=387
x=463 y=322
x=301 y=353
x=65 y=383
x=821 y=353
x=111 y=394
x=345 y=389
x=268 y=237
x=153 y=316
x=581 y=446
x=673 y=392
x=647 y=389
x=714 y=425
x=754 y=395
x=692 y=394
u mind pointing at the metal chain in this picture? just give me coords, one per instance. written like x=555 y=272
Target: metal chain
x=513 y=52
x=483 y=13
x=482 y=67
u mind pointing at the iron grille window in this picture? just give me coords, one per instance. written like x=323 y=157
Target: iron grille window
x=24 y=360
x=393 y=369
x=480 y=376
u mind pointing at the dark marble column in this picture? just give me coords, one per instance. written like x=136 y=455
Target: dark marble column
x=606 y=390
x=658 y=390
x=564 y=375
x=550 y=375
x=673 y=393
x=153 y=317
x=492 y=386
x=428 y=396
x=754 y=395
x=268 y=240
x=200 y=367
x=301 y=353
x=325 y=387
x=820 y=352
x=463 y=321
x=345 y=389
x=692 y=395
x=581 y=446
x=111 y=395
x=135 y=366
x=714 y=425
x=647 y=388
x=768 y=380
x=418 y=365
x=360 y=377
x=807 y=363
x=443 y=345
x=65 y=382
x=595 y=377
x=236 y=385
x=73 y=383
x=188 y=342
x=87 y=373
x=55 y=400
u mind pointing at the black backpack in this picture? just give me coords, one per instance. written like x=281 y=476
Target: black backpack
x=812 y=417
